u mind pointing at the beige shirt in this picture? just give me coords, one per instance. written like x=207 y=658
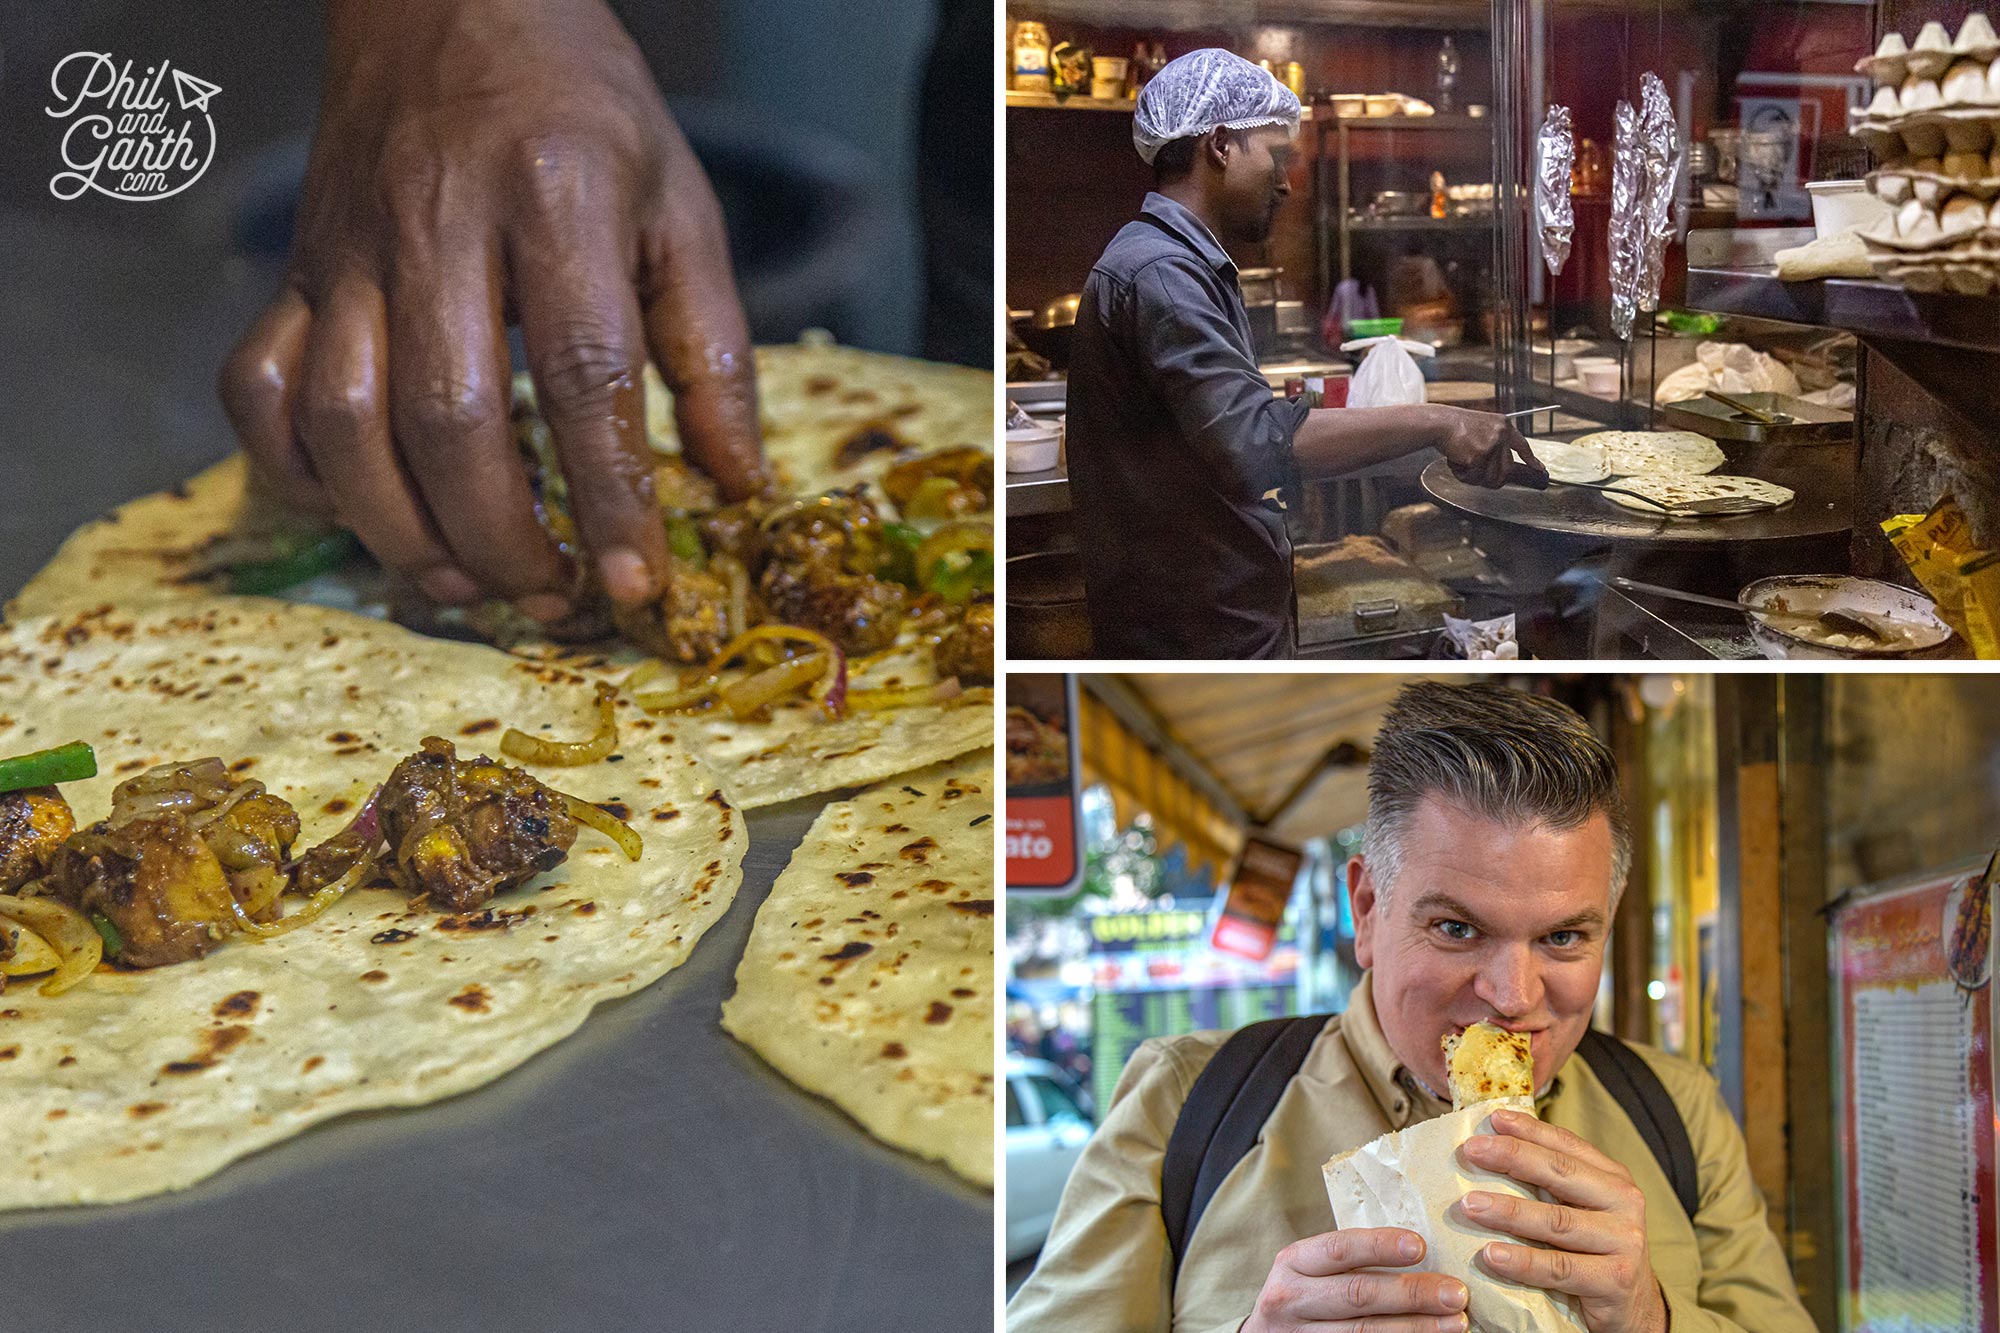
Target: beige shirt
x=1106 y=1263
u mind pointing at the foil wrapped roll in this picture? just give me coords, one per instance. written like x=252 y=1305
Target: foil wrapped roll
x=1628 y=218
x=1555 y=156
x=1659 y=139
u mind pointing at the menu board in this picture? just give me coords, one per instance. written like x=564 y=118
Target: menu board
x=1044 y=853
x=1120 y=1020
x=1911 y=977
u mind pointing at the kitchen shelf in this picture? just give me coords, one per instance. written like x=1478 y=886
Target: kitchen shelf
x=1867 y=309
x=1363 y=222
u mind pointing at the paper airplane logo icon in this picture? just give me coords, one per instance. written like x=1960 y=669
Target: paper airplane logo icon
x=194 y=93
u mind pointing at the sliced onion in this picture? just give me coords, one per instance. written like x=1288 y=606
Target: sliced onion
x=657 y=702
x=566 y=754
x=606 y=823
x=831 y=692
x=266 y=884
x=874 y=701
x=315 y=906
x=206 y=817
x=31 y=953
x=738 y=578
x=63 y=929
x=643 y=674
x=745 y=696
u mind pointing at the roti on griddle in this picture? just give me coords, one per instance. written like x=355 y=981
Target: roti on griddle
x=136 y=1082
x=833 y=417
x=868 y=978
x=1570 y=462
x=1650 y=453
x=1671 y=489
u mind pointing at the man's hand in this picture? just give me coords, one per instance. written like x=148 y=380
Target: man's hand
x=1596 y=1227
x=476 y=161
x=1314 y=1284
x=1481 y=448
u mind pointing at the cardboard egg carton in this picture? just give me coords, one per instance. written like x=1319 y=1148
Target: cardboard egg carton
x=1932 y=180
x=1917 y=227
x=1932 y=54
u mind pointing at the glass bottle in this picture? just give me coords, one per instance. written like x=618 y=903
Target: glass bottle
x=1447 y=77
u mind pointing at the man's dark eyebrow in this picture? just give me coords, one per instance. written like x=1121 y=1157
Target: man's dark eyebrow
x=1435 y=900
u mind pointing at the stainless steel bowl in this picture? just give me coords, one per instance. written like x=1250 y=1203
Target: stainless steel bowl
x=1816 y=592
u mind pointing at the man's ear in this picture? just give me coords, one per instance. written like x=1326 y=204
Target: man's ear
x=1221 y=142
x=1363 y=899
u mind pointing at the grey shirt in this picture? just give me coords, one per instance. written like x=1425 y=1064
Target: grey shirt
x=1177 y=452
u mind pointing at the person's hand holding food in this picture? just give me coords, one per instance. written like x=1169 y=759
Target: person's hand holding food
x=476 y=164
x=1322 y=1282
x=1595 y=1229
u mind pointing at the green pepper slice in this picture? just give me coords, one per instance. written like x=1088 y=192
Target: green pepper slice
x=317 y=556
x=45 y=768
x=113 y=941
x=963 y=575
x=899 y=553
x=684 y=540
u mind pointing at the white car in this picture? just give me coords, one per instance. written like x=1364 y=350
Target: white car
x=1047 y=1127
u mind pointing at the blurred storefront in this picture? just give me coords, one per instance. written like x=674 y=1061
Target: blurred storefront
x=1785 y=827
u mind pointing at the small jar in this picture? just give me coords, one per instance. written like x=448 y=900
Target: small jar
x=1031 y=58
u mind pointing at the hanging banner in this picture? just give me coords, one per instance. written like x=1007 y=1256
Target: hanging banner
x=1044 y=852
x=1911 y=970
x=1258 y=892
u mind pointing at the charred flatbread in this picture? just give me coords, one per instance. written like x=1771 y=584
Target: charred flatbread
x=136 y=1082
x=1680 y=489
x=1649 y=453
x=868 y=978
x=1487 y=1061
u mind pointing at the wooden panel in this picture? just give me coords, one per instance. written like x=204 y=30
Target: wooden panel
x=1759 y=877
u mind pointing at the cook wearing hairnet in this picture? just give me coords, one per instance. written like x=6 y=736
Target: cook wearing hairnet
x=1179 y=454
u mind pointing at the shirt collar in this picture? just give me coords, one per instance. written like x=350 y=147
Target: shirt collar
x=1181 y=221
x=1402 y=1097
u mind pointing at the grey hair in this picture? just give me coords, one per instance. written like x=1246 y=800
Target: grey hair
x=1501 y=753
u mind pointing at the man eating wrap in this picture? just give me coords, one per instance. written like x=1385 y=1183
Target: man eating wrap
x=1496 y=851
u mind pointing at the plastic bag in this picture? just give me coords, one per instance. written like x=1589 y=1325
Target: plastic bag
x=1388 y=376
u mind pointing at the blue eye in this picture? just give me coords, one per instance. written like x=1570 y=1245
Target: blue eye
x=1455 y=930
x=1564 y=939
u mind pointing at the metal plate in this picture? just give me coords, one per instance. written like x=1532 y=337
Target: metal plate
x=1822 y=503
x=1811 y=424
x=645 y=1172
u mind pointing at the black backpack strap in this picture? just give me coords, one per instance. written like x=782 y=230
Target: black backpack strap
x=1224 y=1113
x=1644 y=1099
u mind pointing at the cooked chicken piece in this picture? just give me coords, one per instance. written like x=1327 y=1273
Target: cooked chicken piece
x=182 y=840
x=860 y=613
x=966 y=651
x=689 y=622
x=460 y=831
x=33 y=823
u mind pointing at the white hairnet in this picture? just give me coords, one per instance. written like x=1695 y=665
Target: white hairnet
x=1203 y=89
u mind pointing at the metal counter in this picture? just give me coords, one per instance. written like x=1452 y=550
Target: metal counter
x=646 y=1172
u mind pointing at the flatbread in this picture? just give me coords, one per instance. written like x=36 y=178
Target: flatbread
x=868 y=978
x=1677 y=489
x=835 y=416
x=1486 y=1061
x=1570 y=462
x=1647 y=453
x=136 y=1083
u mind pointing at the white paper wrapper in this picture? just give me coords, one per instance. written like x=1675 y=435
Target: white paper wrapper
x=1412 y=1178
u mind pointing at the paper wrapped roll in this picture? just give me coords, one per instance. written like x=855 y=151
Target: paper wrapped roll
x=1413 y=1178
